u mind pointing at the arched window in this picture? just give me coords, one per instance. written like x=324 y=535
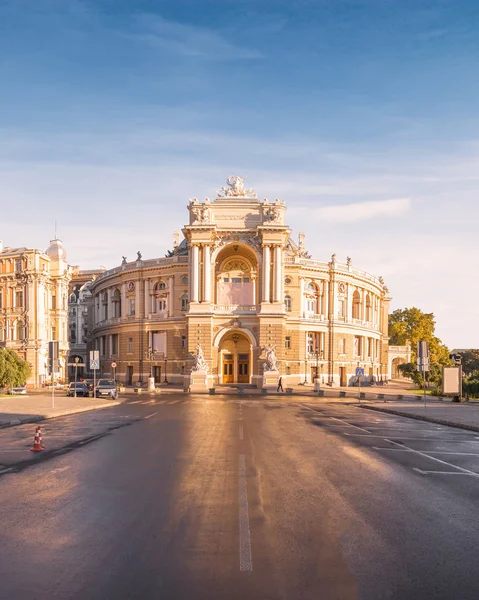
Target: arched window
x=356 y=305
x=116 y=299
x=287 y=303
x=104 y=300
x=161 y=285
x=184 y=302
x=369 y=312
x=72 y=299
x=311 y=298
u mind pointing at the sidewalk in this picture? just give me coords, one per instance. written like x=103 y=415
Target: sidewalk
x=16 y=410
x=463 y=416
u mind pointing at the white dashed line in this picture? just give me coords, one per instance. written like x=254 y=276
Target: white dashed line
x=246 y=563
x=443 y=472
x=241 y=431
x=152 y=415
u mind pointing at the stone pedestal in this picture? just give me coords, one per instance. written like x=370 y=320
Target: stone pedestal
x=317 y=385
x=270 y=379
x=151 y=384
x=199 y=382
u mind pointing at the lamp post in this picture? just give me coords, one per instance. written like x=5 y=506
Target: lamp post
x=77 y=360
x=165 y=380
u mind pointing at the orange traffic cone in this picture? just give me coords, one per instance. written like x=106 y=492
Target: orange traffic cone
x=39 y=431
x=37 y=442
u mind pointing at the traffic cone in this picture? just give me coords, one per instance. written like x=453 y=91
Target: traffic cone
x=39 y=431
x=37 y=442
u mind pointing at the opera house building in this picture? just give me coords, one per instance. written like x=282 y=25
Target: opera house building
x=236 y=288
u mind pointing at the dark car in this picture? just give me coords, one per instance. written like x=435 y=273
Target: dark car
x=106 y=387
x=80 y=388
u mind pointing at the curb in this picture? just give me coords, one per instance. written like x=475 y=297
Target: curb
x=422 y=418
x=37 y=418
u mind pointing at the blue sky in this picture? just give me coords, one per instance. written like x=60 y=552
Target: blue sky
x=361 y=114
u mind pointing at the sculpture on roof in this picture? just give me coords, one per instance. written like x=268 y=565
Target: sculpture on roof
x=236 y=188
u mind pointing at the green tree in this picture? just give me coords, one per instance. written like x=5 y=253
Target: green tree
x=470 y=362
x=14 y=371
x=410 y=326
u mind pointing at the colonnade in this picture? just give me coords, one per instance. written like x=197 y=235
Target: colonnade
x=273 y=268
x=195 y=274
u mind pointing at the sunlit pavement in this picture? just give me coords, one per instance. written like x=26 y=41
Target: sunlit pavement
x=222 y=497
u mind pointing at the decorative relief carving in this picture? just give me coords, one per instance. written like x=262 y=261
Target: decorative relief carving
x=235 y=189
x=200 y=214
x=271 y=360
x=236 y=265
x=200 y=364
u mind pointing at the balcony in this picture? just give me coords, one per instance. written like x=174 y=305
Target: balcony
x=235 y=309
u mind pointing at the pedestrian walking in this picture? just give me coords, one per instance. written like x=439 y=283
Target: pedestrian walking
x=280 y=385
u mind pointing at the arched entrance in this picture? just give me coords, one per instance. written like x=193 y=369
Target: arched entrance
x=235 y=358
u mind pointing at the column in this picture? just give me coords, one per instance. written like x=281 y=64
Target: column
x=170 y=296
x=278 y=279
x=206 y=274
x=301 y=297
x=147 y=298
x=253 y=283
x=194 y=273
x=266 y=273
x=124 y=307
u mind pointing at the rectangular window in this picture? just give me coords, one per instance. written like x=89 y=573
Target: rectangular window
x=236 y=280
x=54 y=302
x=287 y=342
x=357 y=345
x=342 y=345
x=18 y=265
x=370 y=346
x=54 y=334
x=131 y=306
x=18 y=298
x=130 y=345
x=245 y=279
x=226 y=279
x=310 y=343
x=114 y=344
x=183 y=341
x=1 y=299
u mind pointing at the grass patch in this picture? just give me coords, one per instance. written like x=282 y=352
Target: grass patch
x=421 y=392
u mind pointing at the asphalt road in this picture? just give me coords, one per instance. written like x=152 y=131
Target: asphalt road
x=213 y=498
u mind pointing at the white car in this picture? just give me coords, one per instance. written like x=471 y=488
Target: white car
x=17 y=390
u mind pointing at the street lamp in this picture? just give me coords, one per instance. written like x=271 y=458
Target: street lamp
x=165 y=380
x=77 y=360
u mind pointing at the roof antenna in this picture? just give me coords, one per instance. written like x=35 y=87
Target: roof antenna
x=55 y=230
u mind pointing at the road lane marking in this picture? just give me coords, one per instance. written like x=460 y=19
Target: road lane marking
x=456 y=441
x=349 y=424
x=9 y=470
x=241 y=431
x=429 y=451
x=136 y=402
x=152 y=415
x=442 y=462
x=246 y=563
x=443 y=472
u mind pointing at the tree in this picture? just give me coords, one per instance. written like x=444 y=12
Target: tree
x=470 y=362
x=410 y=326
x=14 y=371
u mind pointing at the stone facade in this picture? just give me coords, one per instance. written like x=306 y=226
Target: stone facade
x=33 y=306
x=237 y=286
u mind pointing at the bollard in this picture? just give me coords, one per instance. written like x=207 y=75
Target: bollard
x=212 y=391
x=342 y=394
x=289 y=390
x=320 y=392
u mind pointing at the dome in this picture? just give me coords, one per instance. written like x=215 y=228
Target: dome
x=56 y=251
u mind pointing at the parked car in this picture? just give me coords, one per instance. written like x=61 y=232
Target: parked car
x=106 y=387
x=17 y=390
x=81 y=389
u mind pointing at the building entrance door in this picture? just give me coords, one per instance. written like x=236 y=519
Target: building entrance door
x=129 y=375
x=342 y=377
x=243 y=368
x=228 y=366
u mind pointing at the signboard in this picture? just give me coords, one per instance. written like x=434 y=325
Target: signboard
x=359 y=372
x=94 y=360
x=423 y=357
x=53 y=355
x=451 y=380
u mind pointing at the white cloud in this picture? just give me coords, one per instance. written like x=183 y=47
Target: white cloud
x=358 y=211
x=188 y=40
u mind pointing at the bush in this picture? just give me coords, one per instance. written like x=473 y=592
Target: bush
x=14 y=371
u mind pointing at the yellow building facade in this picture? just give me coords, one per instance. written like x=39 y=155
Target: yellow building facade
x=237 y=287
x=33 y=306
